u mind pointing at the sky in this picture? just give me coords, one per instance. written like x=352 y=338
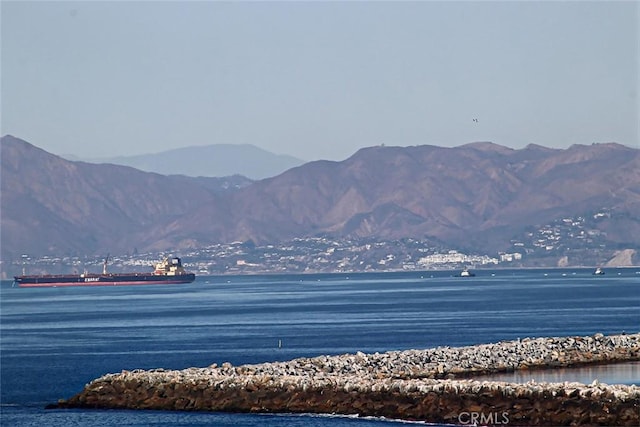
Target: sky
x=317 y=79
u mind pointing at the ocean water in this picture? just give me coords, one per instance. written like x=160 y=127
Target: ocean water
x=55 y=340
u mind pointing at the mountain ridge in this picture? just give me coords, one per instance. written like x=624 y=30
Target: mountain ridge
x=477 y=196
x=213 y=160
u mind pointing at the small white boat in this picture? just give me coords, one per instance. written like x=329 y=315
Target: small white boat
x=466 y=273
x=598 y=272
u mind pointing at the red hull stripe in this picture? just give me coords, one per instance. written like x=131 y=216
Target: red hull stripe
x=93 y=284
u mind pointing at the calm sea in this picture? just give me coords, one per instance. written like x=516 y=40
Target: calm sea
x=55 y=340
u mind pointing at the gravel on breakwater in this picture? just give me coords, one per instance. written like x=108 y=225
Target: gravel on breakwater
x=431 y=385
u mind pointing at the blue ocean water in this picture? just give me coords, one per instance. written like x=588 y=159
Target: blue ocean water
x=55 y=340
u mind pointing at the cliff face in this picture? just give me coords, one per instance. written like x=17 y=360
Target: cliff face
x=622 y=258
x=476 y=196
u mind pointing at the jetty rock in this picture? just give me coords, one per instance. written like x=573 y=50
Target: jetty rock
x=439 y=385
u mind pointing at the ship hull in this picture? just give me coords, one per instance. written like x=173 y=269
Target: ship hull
x=48 y=281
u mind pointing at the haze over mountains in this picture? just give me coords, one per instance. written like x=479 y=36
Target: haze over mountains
x=476 y=196
x=210 y=160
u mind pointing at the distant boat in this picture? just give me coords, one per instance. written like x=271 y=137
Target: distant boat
x=168 y=271
x=598 y=272
x=465 y=273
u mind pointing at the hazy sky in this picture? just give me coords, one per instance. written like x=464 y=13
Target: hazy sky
x=317 y=79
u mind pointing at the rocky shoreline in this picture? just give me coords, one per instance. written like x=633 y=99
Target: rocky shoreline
x=432 y=385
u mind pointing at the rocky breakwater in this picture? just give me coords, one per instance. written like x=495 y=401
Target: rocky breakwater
x=430 y=385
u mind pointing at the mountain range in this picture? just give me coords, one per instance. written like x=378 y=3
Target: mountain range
x=476 y=196
x=209 y=160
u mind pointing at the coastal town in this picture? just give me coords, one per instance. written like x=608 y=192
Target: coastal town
x=565 y=242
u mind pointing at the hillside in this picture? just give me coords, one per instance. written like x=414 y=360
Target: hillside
x=51 y=205
x=474 y=196
x=477 y=196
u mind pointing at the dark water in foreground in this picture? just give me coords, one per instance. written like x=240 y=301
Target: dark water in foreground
x=54 y=340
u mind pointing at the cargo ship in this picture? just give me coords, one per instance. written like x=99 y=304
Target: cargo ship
x=168 y=271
